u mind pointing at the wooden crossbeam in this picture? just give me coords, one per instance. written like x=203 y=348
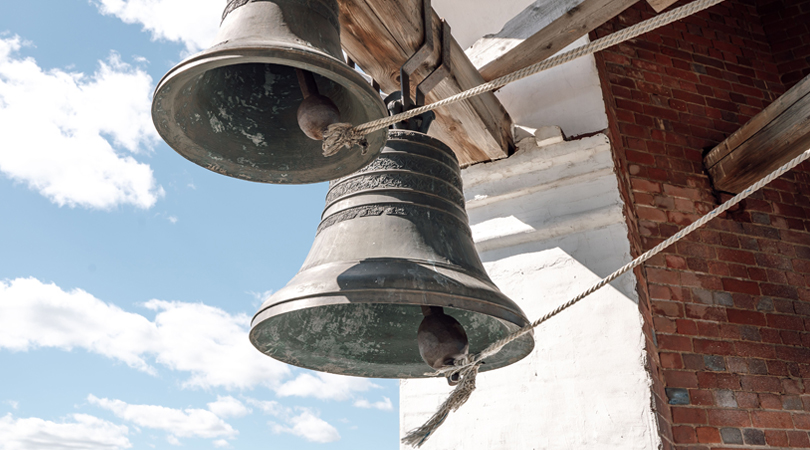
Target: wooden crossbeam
x=380 y=35
x=773 y=137
x=540 y=31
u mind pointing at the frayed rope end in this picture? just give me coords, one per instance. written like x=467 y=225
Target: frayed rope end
x=339 y=135
x=459 y=396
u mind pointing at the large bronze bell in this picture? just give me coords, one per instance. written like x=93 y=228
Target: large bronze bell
x=234 y=107
x=393 y=250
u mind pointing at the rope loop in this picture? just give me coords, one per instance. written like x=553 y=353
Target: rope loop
x=340 y=135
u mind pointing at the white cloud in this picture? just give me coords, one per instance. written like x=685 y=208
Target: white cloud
x=189 y=422
x=67 y=134
x=174 y=441
x=228 y=406
x=269 y=407
x=301 y=422
x=383 y=405
x=205 y=341
x=193 y=23
x=13 y=403
x=82 y=432
x=213 y=346
x=310 y=427
x=324 y=386
x=221 y=443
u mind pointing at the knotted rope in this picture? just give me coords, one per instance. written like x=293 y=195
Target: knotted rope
x=337 y=137
x=469 y=367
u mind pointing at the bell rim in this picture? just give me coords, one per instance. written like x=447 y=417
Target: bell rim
x=312 y=60
x=485 y=300
x=525 y=343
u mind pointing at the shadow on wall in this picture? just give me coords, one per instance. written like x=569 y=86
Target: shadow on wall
x=562 y=196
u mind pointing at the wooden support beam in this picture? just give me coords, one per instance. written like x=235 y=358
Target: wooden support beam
x=380 y=35
x=660 y=5
x=773 y=137
x=540 y=31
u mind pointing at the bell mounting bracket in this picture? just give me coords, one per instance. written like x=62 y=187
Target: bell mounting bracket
x=403 y=101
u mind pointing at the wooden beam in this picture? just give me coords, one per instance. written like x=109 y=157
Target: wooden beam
x=660 y=5
x=773 y=137
x=380 y=35
x=540 y=31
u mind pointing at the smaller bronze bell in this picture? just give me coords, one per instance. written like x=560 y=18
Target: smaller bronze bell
x=233 y=108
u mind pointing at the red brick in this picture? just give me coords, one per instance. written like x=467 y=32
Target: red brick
x=684 y=435
x=771 y=419
x=701 y=397
x=801 y=421
x=760 y=384
x=663 y=276
x=708 y=435
x=755 y=350
x=730 y=418
x=746 y=317
x=737 y=256
x=710 y=347
x=676 y=343
x=671 y=360
x=770 y=401
x=785 y=322
x=645 y=186
x=680 y=378
x=798 y=439
x=688 y=415
x=742 y=286
x=669 y=309
x=776 y=438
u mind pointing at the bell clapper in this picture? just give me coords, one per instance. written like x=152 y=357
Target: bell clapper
x=316 y=112
x=442 y=340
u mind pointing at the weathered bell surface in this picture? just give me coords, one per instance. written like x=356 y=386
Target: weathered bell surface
x=394 y=238
x=234 y=107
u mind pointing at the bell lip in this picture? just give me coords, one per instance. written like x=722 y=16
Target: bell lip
x=505 y=310
x=526 y=341
x=247 y=52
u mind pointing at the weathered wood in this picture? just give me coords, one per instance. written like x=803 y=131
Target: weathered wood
x=540 y=31
x=380 y=35
x=660 y=5
x=773 y=137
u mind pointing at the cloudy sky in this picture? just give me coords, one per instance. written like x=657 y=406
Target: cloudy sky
x=128 y=275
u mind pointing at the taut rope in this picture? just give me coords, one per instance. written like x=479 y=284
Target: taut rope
x=469 y=369
x=345 y=135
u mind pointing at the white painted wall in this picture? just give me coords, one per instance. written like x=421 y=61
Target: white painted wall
x=568 y=96
x=548 y=224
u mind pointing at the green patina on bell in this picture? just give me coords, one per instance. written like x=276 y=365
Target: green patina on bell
x=233 y=108
x=394 y=241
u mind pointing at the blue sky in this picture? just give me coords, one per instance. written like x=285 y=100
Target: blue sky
x=128 y=275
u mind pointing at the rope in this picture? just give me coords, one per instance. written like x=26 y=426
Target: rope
x=469 y=368
x=348 y=135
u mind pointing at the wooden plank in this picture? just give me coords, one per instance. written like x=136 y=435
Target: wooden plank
x=380 y=35
x=540 y=31
x=773 y=137
x=660 y=5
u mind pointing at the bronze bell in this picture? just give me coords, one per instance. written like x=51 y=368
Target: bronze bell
x=233 y=108
x=394 y=241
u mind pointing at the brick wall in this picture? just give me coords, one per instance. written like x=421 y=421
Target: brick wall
x=787 y=25
x=727 y=311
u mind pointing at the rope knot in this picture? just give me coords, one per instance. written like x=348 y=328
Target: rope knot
x=339 y=135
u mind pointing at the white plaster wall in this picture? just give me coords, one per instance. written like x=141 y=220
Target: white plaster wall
x=471 y=19
x=548 y=224
x=568 y=96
